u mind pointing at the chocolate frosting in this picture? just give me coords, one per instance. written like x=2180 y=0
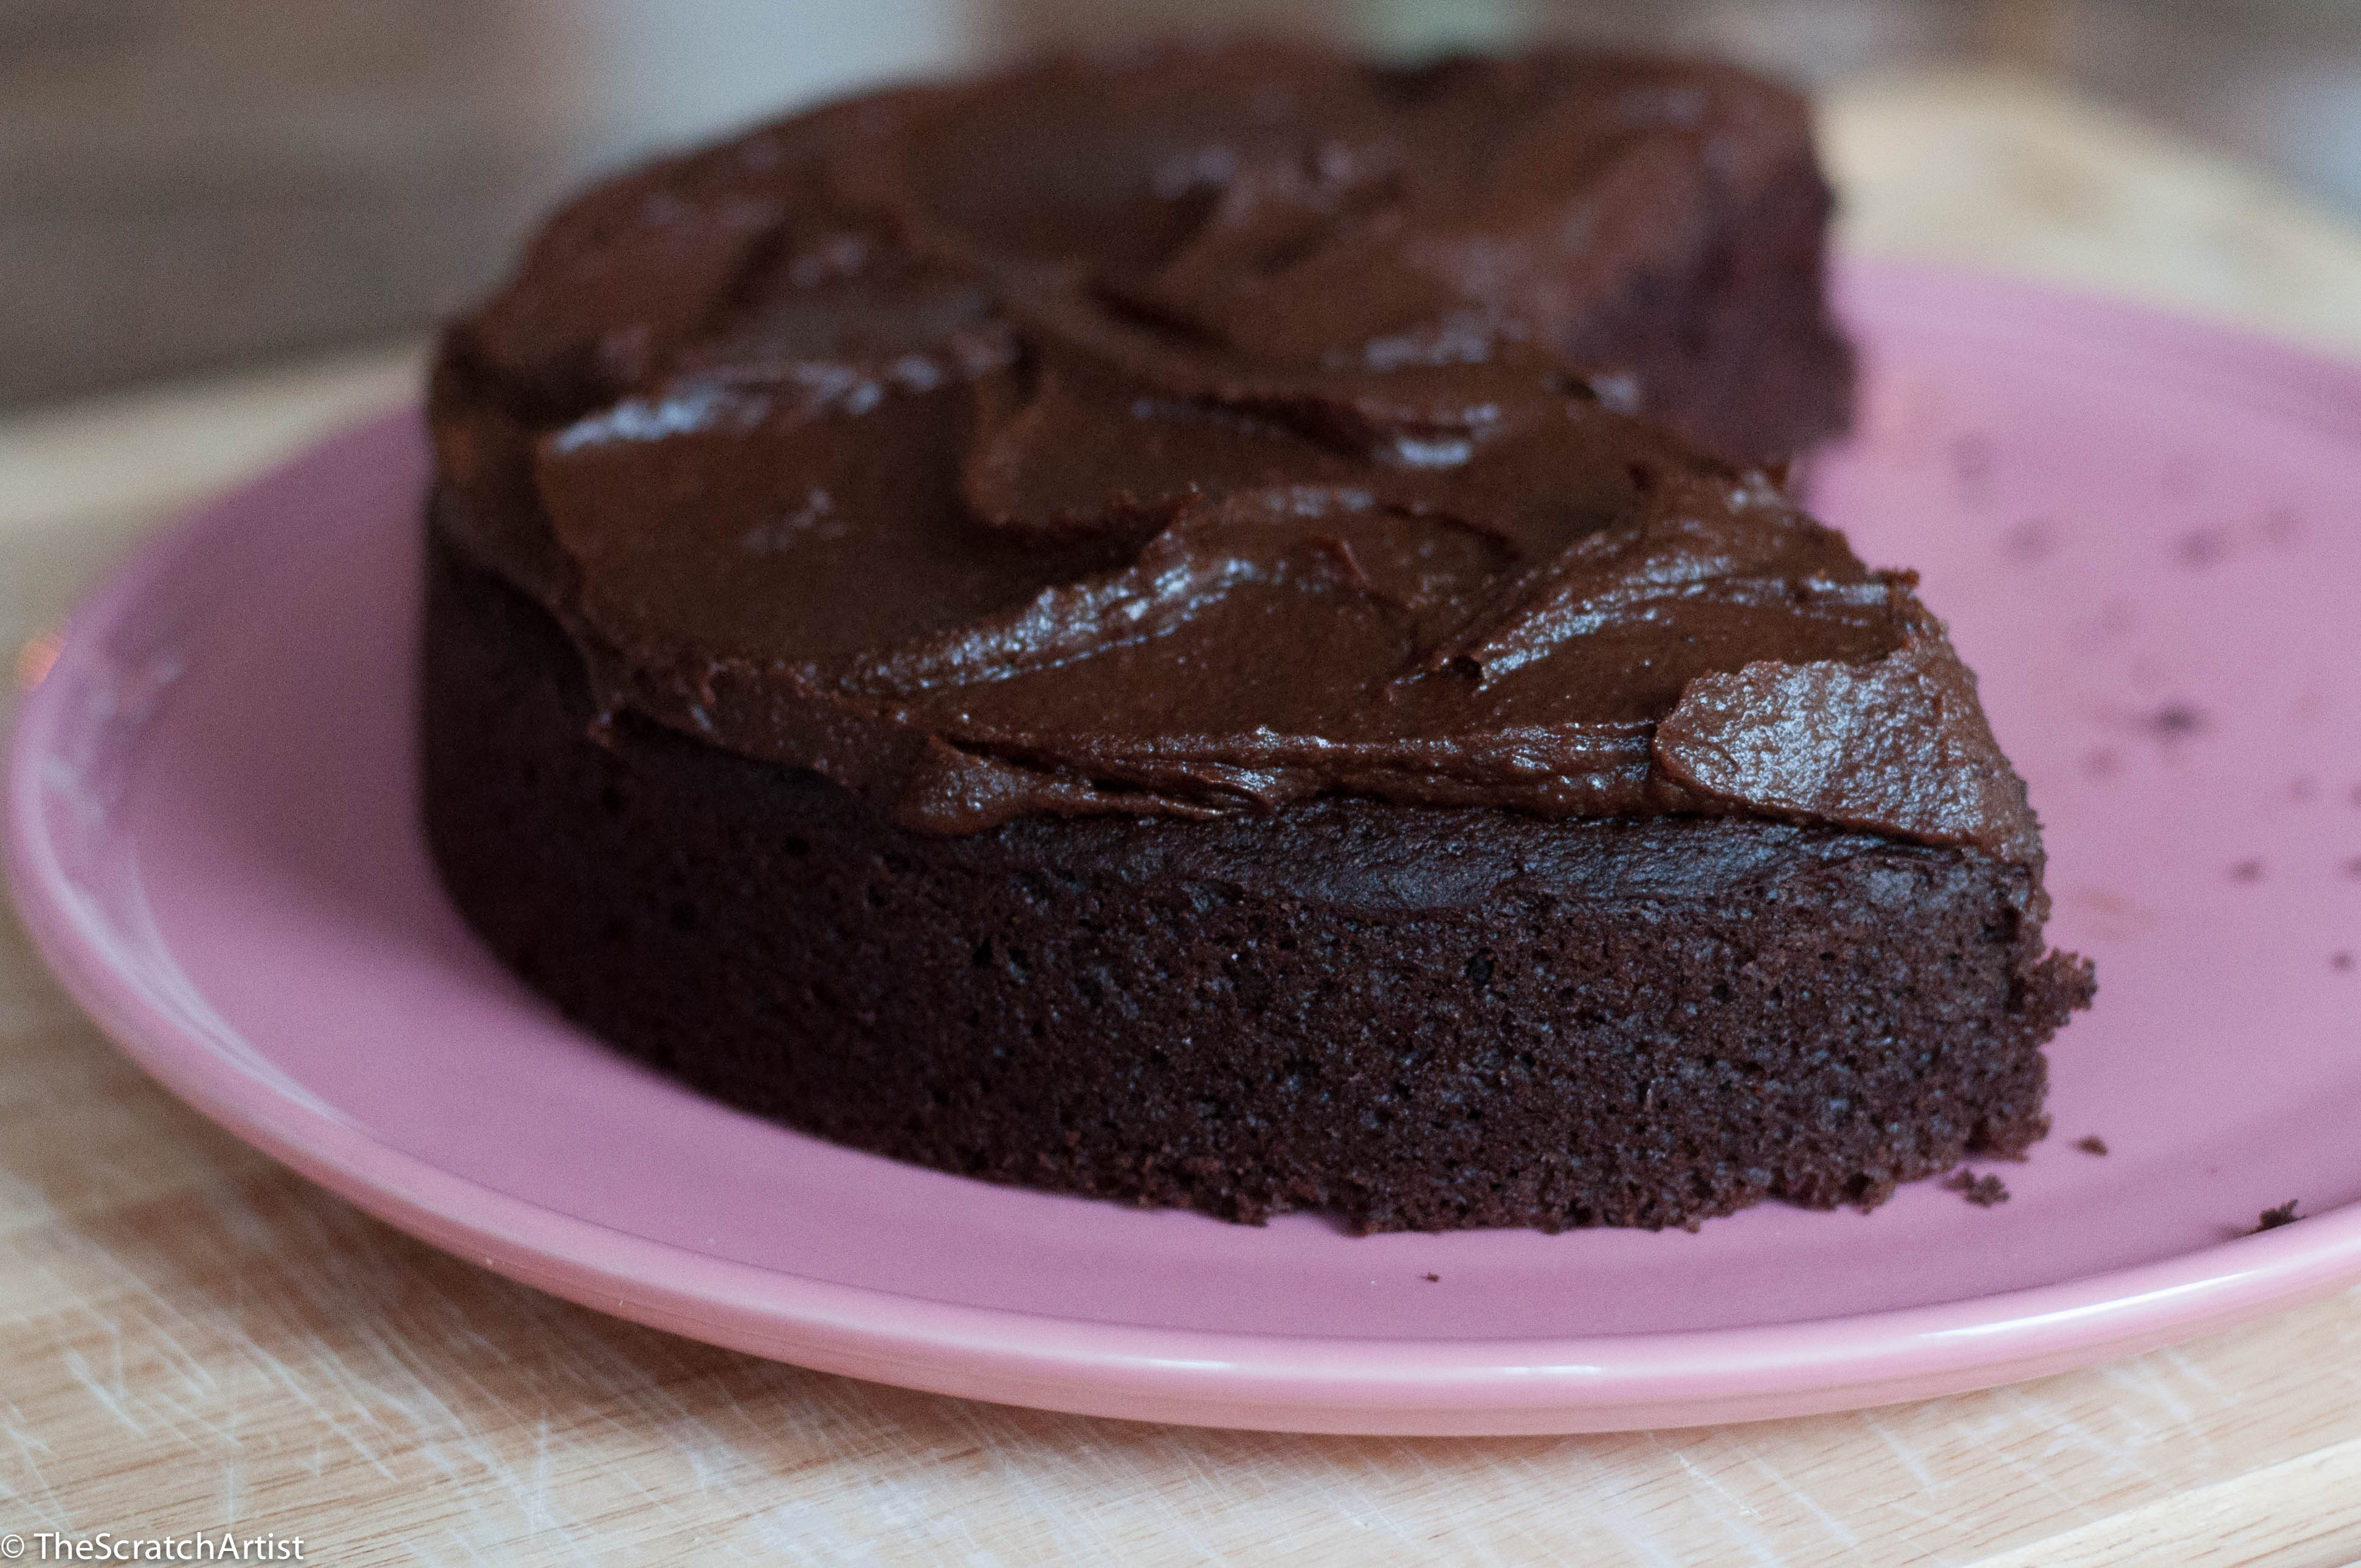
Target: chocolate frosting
x=1194 y=435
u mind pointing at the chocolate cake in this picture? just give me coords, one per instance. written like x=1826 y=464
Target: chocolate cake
x=1117 y=628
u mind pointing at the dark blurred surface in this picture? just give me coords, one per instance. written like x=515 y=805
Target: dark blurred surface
x=188 y=184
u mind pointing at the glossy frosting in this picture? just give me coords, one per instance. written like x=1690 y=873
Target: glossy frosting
x=1190 y=436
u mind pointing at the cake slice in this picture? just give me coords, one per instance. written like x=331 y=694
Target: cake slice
x=1113 y=629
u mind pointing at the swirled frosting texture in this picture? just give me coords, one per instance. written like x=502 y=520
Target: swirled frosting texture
x=1195 y=433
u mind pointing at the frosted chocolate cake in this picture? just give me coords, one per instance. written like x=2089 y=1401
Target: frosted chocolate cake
x=1208 y=628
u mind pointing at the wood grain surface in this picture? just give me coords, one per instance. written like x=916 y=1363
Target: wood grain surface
x=193 y=1339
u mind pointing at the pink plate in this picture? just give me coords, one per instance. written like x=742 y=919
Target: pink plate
x=2148 y=536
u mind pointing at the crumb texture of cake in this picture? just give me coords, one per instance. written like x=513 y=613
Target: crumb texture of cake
x=1110 y=629
x=1414 y=1017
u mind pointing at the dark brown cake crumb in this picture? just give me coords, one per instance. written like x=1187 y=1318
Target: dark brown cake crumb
x=2092 y=1144
x=2031 y=540
x=1984 y=1191
x=1434 y=1278
x=2203 y=549
x=2175 y=719
x=1971 y=465
x=2272 y=1219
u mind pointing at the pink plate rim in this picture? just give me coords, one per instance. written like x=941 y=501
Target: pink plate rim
x=1396 y=1386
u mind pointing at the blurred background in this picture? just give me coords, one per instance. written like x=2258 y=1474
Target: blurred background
x=192 y=184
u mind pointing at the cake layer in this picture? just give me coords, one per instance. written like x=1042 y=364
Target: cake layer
x=1147 y=627
x=1414 y=1017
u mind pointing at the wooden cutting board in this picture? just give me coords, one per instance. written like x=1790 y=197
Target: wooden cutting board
x=193 y=1339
